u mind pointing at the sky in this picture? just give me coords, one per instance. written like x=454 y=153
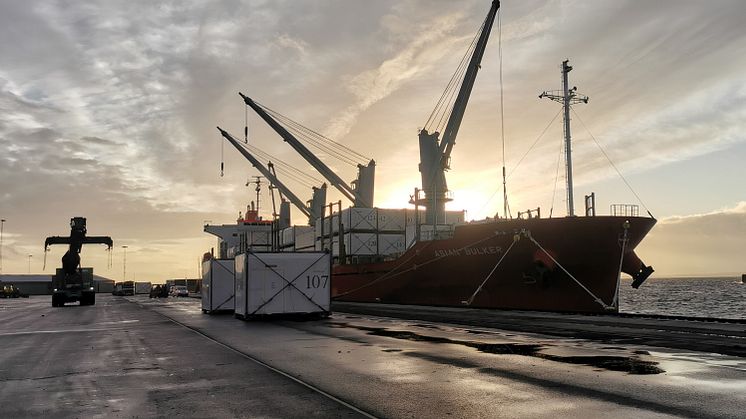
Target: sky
x=108 y=111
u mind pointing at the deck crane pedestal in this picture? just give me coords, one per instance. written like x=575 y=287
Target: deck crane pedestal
x=435 y=152
x=360 y=191
x=73 y=283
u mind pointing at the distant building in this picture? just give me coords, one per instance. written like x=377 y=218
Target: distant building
x=34 y=284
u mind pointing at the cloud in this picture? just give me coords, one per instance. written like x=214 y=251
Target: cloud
x=107 y=109
x=419 y=56
x=286 y=41
x=700 y=244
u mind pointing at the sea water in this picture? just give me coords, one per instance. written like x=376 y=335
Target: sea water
x=717 y=297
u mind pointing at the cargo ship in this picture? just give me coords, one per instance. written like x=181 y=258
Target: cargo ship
x=430 y=256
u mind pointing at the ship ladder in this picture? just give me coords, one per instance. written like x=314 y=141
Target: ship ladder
x=468 y=302
x=527 y=233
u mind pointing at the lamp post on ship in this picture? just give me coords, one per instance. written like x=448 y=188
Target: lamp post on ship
x=124 y=265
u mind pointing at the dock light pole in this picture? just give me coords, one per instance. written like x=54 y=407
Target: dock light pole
x=2 y=224
x=29 y=263
x=124 y=268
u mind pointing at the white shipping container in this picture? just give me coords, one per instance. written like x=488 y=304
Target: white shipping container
x=329 y=225
x=330 y=244
x=304 y=236
x=391 y=243
x=287 y=237
x=217 y=285
x=361 y=243
x=354 y=219
x=300 y=236
x=391 y=219
x=142 y=287
x=258 y=238
x=282 y=283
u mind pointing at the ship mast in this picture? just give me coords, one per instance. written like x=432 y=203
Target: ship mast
x=567 y=97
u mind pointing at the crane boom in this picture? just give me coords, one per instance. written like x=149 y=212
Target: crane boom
x=459 y=106
x=351 y=193
x=308 y=212
x=435 y=152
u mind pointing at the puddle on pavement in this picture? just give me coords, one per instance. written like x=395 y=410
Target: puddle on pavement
x=628 y=364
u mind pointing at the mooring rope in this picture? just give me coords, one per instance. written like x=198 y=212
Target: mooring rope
x=468 y=302
x=595 y=298
x=390 y=274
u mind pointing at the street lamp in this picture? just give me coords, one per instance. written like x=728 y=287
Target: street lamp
x=2 y=223
x=124 y=269
x=29 y=263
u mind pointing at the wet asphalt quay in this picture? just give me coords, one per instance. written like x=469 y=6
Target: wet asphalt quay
x=117 y=359
x=140 y=357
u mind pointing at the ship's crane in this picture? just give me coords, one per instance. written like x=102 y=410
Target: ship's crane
x=361 y=190
x=435 y=152
x=315 y=207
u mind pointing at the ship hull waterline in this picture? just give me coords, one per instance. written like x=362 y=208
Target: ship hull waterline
x=538 y=274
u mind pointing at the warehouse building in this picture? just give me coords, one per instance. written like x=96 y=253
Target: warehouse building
x=34 y=284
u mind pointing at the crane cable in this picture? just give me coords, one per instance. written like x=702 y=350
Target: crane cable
x=556 y=176
x=283 y=164
x=319 y=140
x=506 y=206
x=446 y=96
x=612 y=163
x=288 y=169
x=524 y=156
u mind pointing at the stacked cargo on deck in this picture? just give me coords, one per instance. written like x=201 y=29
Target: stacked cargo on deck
x=372 y=234
x=297 y=239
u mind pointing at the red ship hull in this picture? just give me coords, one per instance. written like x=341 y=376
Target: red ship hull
x=448 y=272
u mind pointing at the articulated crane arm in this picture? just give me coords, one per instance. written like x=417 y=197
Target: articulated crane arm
x=309 y=212
x=358 y=199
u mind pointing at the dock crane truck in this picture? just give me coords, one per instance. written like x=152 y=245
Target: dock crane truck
x=72 y=283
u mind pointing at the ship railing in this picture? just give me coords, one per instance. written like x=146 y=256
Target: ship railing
x=531 y=213
x=437 y=232
x=625 y=210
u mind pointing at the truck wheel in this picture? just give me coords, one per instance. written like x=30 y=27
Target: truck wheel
x=56 y=300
